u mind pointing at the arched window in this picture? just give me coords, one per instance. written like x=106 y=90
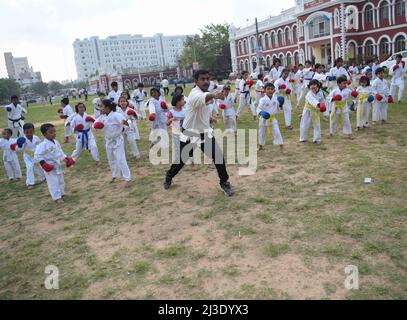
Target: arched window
x=253 y=44
x=384 y=46
x=300 y=29
x=280 y=38
x=296 y=59
x=268 y=62
x=269 y=44
x=241 y=66
x=289 y=60
x=400 y=43
x=281 y=57
x=246 y=65
x=254 y=63
x=319 y=27
x=369 y=49
x=336 y=19
x=400 y=8
x=245 y=48
x=352 y=18
x=384 y=10
x=369 y=16
x=287 y=36
x=272 y=40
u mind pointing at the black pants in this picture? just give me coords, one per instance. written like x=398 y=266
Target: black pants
x=166 y=91
x=211 y=149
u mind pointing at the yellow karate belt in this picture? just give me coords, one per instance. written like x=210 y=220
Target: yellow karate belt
x=269 y=124
x=362 y=98
x=315 y=114
x=341 y=105
x=30 y=153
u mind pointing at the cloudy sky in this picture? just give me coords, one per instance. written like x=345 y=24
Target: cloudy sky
x=44 y=30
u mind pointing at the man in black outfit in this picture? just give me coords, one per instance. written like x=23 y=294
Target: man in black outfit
x=196 y=130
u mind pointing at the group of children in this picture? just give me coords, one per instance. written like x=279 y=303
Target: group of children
x=330 y=96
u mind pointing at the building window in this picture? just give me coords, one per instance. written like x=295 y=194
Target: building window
x=287 y=36
x=318 y=28
x=369 y=14
x=369 y=49
x=400 y=43
x=384 y=11
x=400 y=8
x=384 y=47
x=336 y=19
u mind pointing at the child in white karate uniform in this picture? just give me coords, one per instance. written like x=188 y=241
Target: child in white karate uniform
x=81 y=125
x=364 y=102
x=67 y=114
x=158 y=116
x=10 y=158
x=114 y=124
x=397 y=80
x=267 y=111
x=335 y=73
x=298 y=77
x=245 y=95
x=115 y=94
x=284 y=89
x=314 y=107
x=307 y=75
x=228 y=110
x=131 y=133
x=28 y=144
x=353 y=72
x=15 y=115
x=339 y=98
x=139 y=96
x=97 y=103
x=259 y=89
x=380 y=88
x=49 y=155
x=276 y=70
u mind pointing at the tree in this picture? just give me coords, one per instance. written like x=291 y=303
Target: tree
x=211 y=49
x=55 y=86
x=9 y=87
x=40 y=88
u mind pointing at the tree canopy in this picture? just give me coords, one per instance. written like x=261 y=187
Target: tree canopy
x=9 y=87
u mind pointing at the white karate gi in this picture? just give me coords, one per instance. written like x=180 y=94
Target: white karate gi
x=271 y=106
x=398 y=81
x=159 y=125
x=363 y=106
x=380 y=107
x=340 y=111
x=353 y=71
x=52 y=153
x=245 y=98
x=287 y=107
x=307 y=75
x=85 y=140
x=68 y=113
x=229 y=114
x=364 y=72
x=115 y=96
x=131 y=133
x=335 y=73
x=259 y=92
x=97 y=103
x=115 y=145
x=176 y=125
x=10 y=159
x=311 y=114
x=32 y=168
x=139 y=96
x=275 y=73
x=16 y=119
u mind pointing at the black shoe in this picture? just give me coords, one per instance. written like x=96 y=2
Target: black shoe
x=167 y=183
x=227 y=189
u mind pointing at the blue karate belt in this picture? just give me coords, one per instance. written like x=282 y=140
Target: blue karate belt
x=247 y=94
x=85 y=139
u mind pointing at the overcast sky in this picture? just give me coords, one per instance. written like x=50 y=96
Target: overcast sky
x=44 y=30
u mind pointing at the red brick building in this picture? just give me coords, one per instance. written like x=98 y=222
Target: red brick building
x=323 y=30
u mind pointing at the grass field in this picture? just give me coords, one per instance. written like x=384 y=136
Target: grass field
x=289 y=232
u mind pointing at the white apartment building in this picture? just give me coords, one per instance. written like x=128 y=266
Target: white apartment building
x=126 y=53
x=20 y=70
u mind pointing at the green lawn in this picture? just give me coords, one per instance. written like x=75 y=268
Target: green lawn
x=288 y=234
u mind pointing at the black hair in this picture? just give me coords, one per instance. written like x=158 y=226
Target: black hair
x=300 y=65
x=318 y=65
x=219 y=79
x=140 y=85
x=154 y=90
x=379 y=70
x=260 y=76
x=179 y=88
x=45 y=127
x=269 y=85
x=338 y=60
x=65 y=101
x=369 y=61
x=127 y=93
x=341 y=79
x=309 y=62
x=127 y=100
x=28 y=126
x=284 y=70
x=109 y=104
x=114 y=84
x=244 y=72
x=275 y=60
x=314 y=81
x=364 y=79
x=102 y=94
x=176 y=98
x=399 y=56
x=10 y=132
x=199 y=73
x=77 y=107
x=14 y=97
